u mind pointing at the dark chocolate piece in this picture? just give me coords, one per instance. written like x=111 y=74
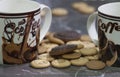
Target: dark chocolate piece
x=59 y=50
x=67 y=35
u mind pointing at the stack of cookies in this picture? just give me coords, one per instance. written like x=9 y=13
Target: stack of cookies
x=66 y=48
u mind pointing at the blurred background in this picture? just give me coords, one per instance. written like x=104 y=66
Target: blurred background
x=74 y=20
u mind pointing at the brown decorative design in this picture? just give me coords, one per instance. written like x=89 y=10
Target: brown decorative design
x=109 y=52
x=22 y=52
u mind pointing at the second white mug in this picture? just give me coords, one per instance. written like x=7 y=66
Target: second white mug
x=108 y=32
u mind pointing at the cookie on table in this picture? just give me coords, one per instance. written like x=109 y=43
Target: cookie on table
x=79 y=62
x=83 y=7
x=40 y=63
x=88 y=44
x=60 y=63
x=77 y=42
x=71 y=56
x=85 y=44
x=93 y=57
x=95 y=65
x=59 y=11
x=44 y=41
x=88 y=51
x=46 y=47
x=87 y=10
x=45 y=56
x=77 y=5
x=54 y=39
x=41 y=49
x=85 y=38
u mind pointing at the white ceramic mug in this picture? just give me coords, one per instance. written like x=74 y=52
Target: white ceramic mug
x=107 y=35
x=21 y=30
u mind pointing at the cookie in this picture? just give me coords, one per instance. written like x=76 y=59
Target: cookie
x=45 y=56
x=77 y=50
x=59 y=12
x=85 y=38
x=62 y=49
x=88 y=44
x=95 y=65
x=98 y=49
x=87 y=10
x=46 y=47
x=94 y=57
x=77 y=5
x=79 y=62
x=40 y=63
x=88 y=51
x=54 y=39
x=67 y=35
x=71 y=56
x=60 y=63
x=44 y=41
x=78 y=42
x=83 y=7
x=41 y=49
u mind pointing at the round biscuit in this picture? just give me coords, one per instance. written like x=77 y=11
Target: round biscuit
x=45 y=56
x=85 y=38
x=86 y=10
x=77 y=5
x=77 y=50
x=88 y=51
x=90 y=10
x=74 y=42
x=68 y=35
x=94 y=57
x=71 y=56
x=49 y=46
x=40 y=63
x=88 y=44
x=78 y=43
x=41 y=49
x=95 y=65
x=59 y=11
x=44 y=41
x=54 y=39
x=79 y=62
x=60 y=63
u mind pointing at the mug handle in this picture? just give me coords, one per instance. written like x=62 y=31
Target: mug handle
x=91 y=22
x=47 y=22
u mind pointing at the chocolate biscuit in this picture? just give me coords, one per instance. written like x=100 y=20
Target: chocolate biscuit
x=60 y=50
x=67 y=35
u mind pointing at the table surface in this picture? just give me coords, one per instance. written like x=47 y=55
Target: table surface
x=73 y=21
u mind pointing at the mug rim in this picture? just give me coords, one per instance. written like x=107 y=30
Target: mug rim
x=107 y=14
x=29 y=7
x=20 y=14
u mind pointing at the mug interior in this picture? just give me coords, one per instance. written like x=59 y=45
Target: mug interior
x=112 y=9
x=18 y=6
